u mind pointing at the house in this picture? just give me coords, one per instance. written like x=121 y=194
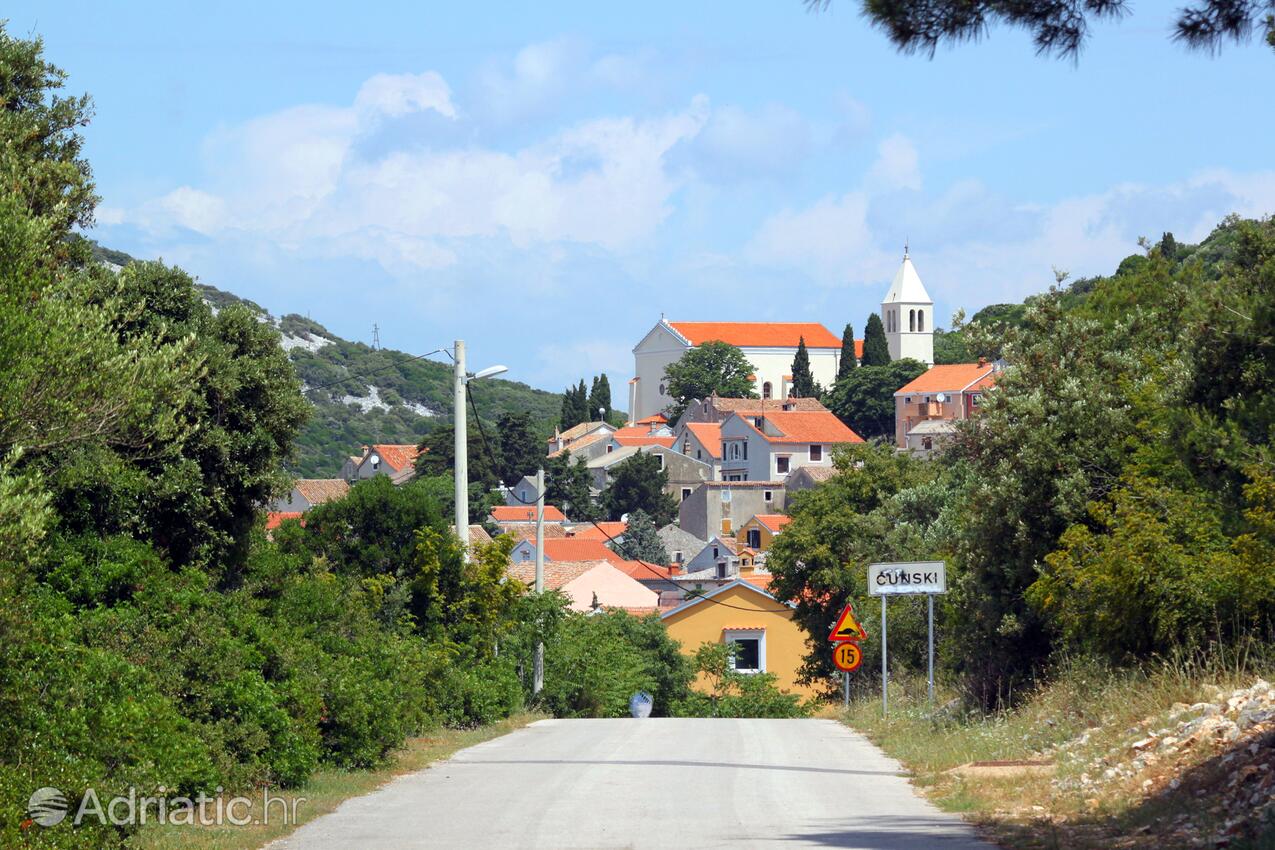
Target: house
x=720 y=507
x=521 y=493
x=769 y=346
x=702 y=441
x=350 y=465
x=927 y=408
x=680 y=545
x=604 y=531
x=505 y=515
x=767 y=638
x=767 y=447
x=384 y=459
x=587 y=440
x=651 y=431
x=715 y=408
x=760 y=531
x=308 y=492
x=807 y=477
x=564 y=549
x=477 y=534
x=591 y=585
x=718 y=551
x=684 y=473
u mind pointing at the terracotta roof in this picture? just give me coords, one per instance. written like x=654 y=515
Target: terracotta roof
x=774 y=522
x=951 y=378
x=757 y=405
x=275 y=518
x=642 y=570
x=520 y=513
x=556 y=573
x=985 y=382
x=577 y=431
x=657 y=419
x=710 y=434
x=397 y=455
x=817 y=473
x=735 y=485
x=758 y=334
x=319 y=490
x=666 y=442
x=580 y=442
x=800 y=427
x=636 y=612
x=575 y=549
x=527 y=530
x=590 y=531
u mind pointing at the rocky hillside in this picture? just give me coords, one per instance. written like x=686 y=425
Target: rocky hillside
x=363 y=395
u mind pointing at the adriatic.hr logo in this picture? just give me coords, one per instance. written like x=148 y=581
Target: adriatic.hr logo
x=47 y=807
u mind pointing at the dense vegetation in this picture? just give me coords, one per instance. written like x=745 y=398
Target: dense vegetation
x=1115 y=496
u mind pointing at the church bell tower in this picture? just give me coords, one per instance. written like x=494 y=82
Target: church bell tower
x=908 y=315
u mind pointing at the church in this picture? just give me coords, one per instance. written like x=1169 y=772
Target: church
x=907 y=312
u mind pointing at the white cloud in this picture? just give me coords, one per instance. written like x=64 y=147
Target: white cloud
x=736 y=144
x=588 y=357
x=897 y=166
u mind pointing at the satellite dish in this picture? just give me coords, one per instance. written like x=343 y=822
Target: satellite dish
x=941 y=398
x=375 y=458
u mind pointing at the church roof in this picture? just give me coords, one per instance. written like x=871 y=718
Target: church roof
x=907 y=287
x=758 y=334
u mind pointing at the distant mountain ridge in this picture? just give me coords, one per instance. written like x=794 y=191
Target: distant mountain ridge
x=363 y=395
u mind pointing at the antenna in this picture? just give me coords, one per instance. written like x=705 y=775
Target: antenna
x=376 y=336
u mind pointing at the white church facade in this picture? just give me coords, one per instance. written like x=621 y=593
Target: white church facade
x=907 y=313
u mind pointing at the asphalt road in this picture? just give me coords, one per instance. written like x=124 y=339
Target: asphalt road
x=649 y=784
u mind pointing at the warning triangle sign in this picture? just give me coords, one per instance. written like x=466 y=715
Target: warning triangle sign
x=847 y=627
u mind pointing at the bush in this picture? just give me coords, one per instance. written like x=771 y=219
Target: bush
x=732 y=694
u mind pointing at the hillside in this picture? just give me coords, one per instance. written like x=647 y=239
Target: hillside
x=363 y=395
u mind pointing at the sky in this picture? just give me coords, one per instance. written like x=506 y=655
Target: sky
x=546 y=180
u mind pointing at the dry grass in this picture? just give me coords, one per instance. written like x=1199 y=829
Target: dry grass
x=1084 y=702
x=326 y=790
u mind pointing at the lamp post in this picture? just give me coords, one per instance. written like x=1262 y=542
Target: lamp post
x=461 y=445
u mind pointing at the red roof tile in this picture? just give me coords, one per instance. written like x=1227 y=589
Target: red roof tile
x=519 y=513
x=758 y=334
x=710 y=434
x=590 y=531
x=949 y=378
x=802 y=427
x=774 y=522
x=657 y=419
x=275 y=518
x=642 y=570
x=666 y=442
x=556 y=574
x=319 y=490
x=575 y=549
x=397 y=455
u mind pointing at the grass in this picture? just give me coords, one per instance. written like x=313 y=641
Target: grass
x=1091 y=710
x=326 y=790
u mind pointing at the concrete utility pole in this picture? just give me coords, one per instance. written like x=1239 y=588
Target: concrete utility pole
x=538 y=675
x=461 y=447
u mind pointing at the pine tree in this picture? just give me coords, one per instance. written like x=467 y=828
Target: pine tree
x=848 y=360
x=567 y=487
x=642 y=540
x=876 y=351
x=638 y=484
x=600 y=397
x=803 y=382
x=521 y=451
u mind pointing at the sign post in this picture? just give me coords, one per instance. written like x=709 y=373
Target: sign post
x=907 y=578
x=846 y=654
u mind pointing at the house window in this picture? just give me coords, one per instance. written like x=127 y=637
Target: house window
x=610 y=448
x=726 y=525
x=927 y=443
x=678 y=558
x=745 y=451
x=686 y=447
x=699 y=455
x=715 y=553
x=974 y=401
x=750 y=649
x=660 y=458
x=781 y=464
x=686 y=493
x=754 y=538
x=723 y=449
x=766 y=390
x=816 y=453
x=769 y=496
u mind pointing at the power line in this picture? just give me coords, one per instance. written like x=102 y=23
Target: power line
x=654 y=569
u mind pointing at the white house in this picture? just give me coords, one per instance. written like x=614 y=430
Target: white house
x=908 y=315
x=768 y=447
x=769 y=347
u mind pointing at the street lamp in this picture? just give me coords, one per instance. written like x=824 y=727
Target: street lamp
x=461 y=379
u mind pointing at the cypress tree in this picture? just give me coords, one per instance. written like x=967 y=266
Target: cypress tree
x=582 y=402
x=600 y=397
x=803 y=382
x=876 y=351
x=848 y=360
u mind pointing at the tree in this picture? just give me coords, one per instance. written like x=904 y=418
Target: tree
x=600 y=397
x=572 y=414
x=40 y=148
x=848 y=358
x=876 y=351
x=638 y=484
x=735 y=694
x=803 y=382
x=438 y=458
x=1057 y=28
x=642 y=540
x=521 y=451
x=864 y=399
x=567 y=487
x=714 y=367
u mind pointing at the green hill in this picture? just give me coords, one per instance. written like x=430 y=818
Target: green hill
x=363 y=395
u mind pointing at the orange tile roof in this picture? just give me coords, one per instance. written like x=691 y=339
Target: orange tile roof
x=759 y=580
x=319 y=490
x=657 y=419
x=774 y=522
x=581 y=442
x=758 y=334
x=575 y=549
x=527 y=530
x=666 y=442
x=642 y=570
x=802 y=427
x=577 y=431
x=275 y=518
x=710 y=434
x=950 y=378
x=636 y=612
x=397 y=455
x=519 y=513
x=590 y=531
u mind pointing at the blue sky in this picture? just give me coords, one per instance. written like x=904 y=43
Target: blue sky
x=544 y=180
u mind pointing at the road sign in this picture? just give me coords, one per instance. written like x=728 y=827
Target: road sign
x=847 y=627
x=847 y=656
x=902 y=579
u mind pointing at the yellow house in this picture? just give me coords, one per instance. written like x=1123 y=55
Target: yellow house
x=769 y=641
x=759 y=532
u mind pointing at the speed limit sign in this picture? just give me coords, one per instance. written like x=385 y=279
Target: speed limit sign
x=847 y=656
